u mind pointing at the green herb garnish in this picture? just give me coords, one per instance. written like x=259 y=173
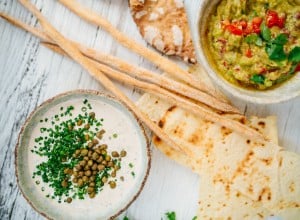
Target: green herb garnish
x=254 y=39
x=294 y=55
x=258 y=79
x=171 y=215
x=274 y=48
x=75 y=163
x=265 y=32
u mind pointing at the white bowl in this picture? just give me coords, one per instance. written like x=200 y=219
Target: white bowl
x=198 y=12
x=108 y=203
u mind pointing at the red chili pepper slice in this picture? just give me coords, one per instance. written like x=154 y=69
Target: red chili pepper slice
x=256 y=22
x=263 y=70
x=272 y=19
x=234 y=30
x=248 y=53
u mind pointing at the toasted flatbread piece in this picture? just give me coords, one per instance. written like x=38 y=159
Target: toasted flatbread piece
x=239 y=171
x=163 y=24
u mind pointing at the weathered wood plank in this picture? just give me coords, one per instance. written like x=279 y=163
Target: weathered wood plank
x=29 y=74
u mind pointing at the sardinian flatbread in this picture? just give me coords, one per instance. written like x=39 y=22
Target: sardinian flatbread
x=236 y=170
x=163 y=24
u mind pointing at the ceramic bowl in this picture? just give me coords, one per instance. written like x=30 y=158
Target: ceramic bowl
x=198 y=14
x=117 y=119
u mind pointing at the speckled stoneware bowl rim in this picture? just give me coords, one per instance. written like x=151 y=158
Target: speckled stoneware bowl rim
x=103 y=95
x=197 y=13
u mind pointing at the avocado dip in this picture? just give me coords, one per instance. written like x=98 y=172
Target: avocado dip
x=255 y=43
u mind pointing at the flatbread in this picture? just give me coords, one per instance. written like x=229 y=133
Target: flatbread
x=237 y=171
x=163 y=24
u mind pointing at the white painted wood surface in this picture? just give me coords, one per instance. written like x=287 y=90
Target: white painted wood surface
x=30 y=74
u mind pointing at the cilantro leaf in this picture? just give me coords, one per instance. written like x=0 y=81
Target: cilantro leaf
x=258 y=79
x=254 y=39
x=194 y=218
x=171 y=215
x=294 y=55
x=265 y=32
x=275 y=52
x=280 y=39
x=125 y=218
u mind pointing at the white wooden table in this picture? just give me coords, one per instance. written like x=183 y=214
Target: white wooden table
x=30 y=74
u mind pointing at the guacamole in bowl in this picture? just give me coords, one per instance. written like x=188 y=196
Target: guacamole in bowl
x=254 y=44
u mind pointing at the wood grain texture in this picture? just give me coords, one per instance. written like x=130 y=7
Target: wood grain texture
x=30 y=74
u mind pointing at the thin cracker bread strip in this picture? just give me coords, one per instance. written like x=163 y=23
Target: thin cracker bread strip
x=207 y=114
x=73 y=52
x=139 y=72
x=163 y=63
x=164 y=94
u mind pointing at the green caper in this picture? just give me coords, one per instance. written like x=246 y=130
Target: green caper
x=100 y=133
x=86 y=168
x=77 y=152
x=123 y=153
x=80 y=173
x=115 y=154
x=86 y=137
x=70 y=127
x=104 y=179
x=108 y=158
x=87 y=126
x=113 y=174
x=86 y=158
x=90 y=190
x=94 y=172
x=110 y=164
x=79 y=122
x=95 y=156
x=112 y=184
x=90 y=163
x=90 y=144
x=104 y=162
x=99 y=160
x=92 y=184
x=80 y=182
x=75 y=180
x=92 y=114
x=98 y=151
x=103 y=146
x=90 y=153
x=69 y=200
x=78 y=167
x=84 y=152
x=82 y=163
x=100 y=167
x=95 y=141
x=94 y=167
x=88 y=173
x=85 y=179
x=64 y=183
x=92 y=195
x=122 y=178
